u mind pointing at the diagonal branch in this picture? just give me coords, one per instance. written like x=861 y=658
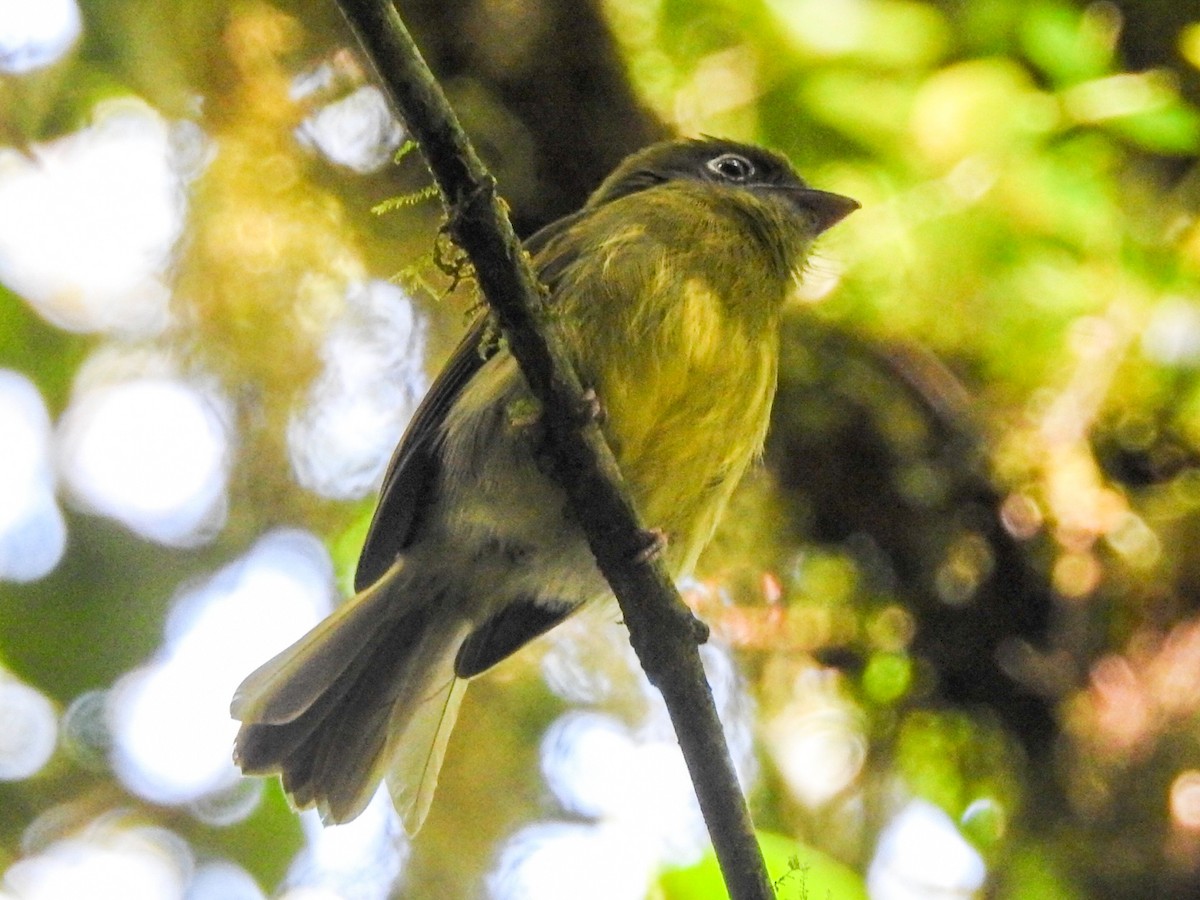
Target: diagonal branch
x=662 y=630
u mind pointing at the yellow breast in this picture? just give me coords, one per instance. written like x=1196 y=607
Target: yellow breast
x=675 y=325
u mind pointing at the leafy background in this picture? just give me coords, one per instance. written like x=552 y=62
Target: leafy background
x=955 y=629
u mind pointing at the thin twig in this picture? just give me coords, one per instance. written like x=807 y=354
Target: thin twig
x=662 y=630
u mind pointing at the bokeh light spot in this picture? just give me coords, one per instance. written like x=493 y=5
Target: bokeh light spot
x=1172 y=336
x=549 y=861
x=1021 y=516
x=1123 y=709
x=358 y=131
x=1135 y=541
x=1077 y=574
x=172 y=733
x=228 y=805
x=222 y=880
x=599 y=769
x=85 y=732
x=888 y=677
x=1185 y=800
x=580 y=753
x=985 y=821
x=104 y=863
x=372 y=379
x=1189 y=44
x=967 y=564
x=89 y=223
x=35 y=34
x=28 y=730
x=150 y=453
x=816 y=741
x=360 y=860
x=893 y=629
x=33 y=534
x=922 y=854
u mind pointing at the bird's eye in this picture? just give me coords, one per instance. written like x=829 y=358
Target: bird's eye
x=731 y=167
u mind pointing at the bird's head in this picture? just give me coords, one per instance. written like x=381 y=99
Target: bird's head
x=726 y=165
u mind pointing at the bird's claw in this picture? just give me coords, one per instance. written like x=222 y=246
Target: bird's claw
x=654 y=543
x=591 y=409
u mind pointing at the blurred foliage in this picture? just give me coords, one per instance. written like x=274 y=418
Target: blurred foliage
x=979 y=522
x=795 y=870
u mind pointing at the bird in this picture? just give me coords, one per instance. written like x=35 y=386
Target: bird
x=667 y=287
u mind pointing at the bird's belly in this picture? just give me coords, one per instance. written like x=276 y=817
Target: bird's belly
x=684 y=425
x=684 y=433
x=500 y=525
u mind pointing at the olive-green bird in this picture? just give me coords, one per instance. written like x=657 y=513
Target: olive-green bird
x=667 y=287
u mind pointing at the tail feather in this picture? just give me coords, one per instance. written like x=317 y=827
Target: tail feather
x=418 y=745
x=349 y=758
x=288 y=684
x=365 y=695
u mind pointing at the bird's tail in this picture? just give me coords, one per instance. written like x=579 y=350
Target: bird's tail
x=370 y=692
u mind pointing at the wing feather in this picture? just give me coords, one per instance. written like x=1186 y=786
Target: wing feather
x=412 y=473
x=413 y=470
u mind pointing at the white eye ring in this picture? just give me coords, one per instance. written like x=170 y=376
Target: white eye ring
x=731 y=167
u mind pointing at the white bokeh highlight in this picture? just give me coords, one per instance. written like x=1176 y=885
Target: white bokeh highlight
x=36 y=33
x=583 y=862
x=631 y=782
x=33 y=533
x=357 y=132
x=87 y=225
x=816 y=740
x=171 y=729
x=599 y=769
x=371 y=381
x=28 y=730
x=1172 y=336
x=104 y=862
x=359 y=860
x=222 y=880
x=151 y=452
x=921 y=854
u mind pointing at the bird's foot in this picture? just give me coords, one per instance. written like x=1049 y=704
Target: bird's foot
x=590 y=409
x=654 y=542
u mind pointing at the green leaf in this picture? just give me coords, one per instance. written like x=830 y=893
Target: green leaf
x=797 y=871
x=1067 y=45
x=1173 y=129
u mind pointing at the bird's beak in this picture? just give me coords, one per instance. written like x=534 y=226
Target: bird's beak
x=825 y=208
